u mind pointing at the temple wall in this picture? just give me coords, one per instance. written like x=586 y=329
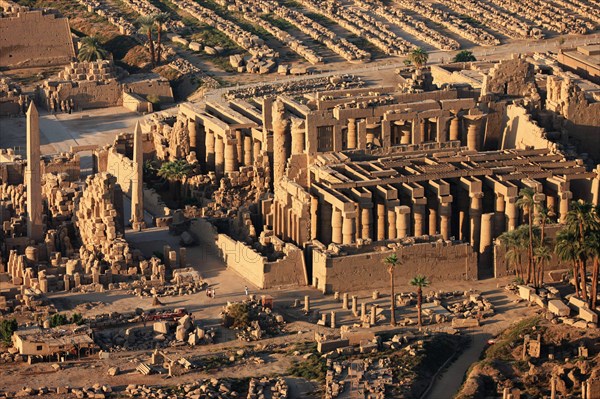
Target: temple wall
x=437 y=261
x=32 y=39
x=522 y=131
x=502 y=267
x=255 y=268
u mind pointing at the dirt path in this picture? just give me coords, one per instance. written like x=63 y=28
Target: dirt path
x=507 y=312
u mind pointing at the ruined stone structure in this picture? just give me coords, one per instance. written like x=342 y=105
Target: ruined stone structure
x=34 y=39
x=83 y=85
x=360 y=172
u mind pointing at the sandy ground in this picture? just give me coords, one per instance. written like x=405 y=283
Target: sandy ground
x=230 y=287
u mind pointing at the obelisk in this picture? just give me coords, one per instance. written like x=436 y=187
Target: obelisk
x=137 y=190
x=33 y=181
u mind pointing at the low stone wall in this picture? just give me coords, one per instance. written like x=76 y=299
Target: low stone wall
x=438 y=261
x=503 y=268
x=255 y=268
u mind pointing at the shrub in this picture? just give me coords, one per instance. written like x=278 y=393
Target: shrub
x=7 y=328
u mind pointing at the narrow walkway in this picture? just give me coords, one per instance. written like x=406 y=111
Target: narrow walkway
x=507 y=312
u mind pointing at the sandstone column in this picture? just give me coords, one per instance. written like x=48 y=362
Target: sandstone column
x=485 y=243
x=306 y=303
x=380 y=222
x=405 y=133
x=445 y=215
x=432 y=220
x=455 y=129
x=281 y=144
x=336 y=226
x=314 y=217
x=366 y=223
x=332 y=319
x=391 y=222
x=511 y=212
x=219 y=156
x=348 y=227
x=355 y=305
x=500 y=217
x=230 y=156
x=373 y=315
x=137 y=190
x=473 y=134
x=418 y=214
x=475 y=218
x=363 y=311
x=193 y=135
x=35 y=227
x=248 y=156
x=563 y=206
x=297 y=136
x=352 y=136
x=402 y=221
x=239 y=145
x=256 y=147
x=345 y=301
x=209 y=143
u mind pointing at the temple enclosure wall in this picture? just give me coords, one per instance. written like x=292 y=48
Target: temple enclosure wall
x=35 y=39
x=255 y=268
x=522 y=131
x=438 y=261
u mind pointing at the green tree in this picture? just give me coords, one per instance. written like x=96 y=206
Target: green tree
x=176 y=173
x=58 y=319
x=146 y=23
x=91 y=50
x=418 y=57
x=7 y=328
x=593 y=248
x=390 y=262
x=526 y=203
x=582 y=221
x=159 y=19
x=567 y=249
x=420 y=282
x=464 y=56
x=511 y=241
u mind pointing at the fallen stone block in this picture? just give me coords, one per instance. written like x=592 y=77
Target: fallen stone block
x=558 y=307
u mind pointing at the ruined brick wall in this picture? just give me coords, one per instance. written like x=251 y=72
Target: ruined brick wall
x=514 y=77
x=503 y=268
x=437 y=261
x=582 y=116
x=32 y=39
x=289 y=271
x=522 y=131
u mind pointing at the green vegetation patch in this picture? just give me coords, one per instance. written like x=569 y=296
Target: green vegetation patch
x=502 y=349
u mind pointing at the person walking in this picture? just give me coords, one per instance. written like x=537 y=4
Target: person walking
x=246 y=290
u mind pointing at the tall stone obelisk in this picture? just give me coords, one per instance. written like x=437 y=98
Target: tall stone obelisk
x=137 y=190
x=33 y=181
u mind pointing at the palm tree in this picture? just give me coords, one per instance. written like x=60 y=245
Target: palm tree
x=509 y=241
x=146 y=23
x=582 y=221
x=464 y=56
x=91 y=49
x=543 y=217
x=419 y=281
x=567 y=249
x=176 y=172
x=526 y=203
x=593 y=246
x=418 y=57
x=160 y=19
x=391 y=262
x=542 y=255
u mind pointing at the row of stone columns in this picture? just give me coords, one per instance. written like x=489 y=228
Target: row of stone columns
x=224 y=154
